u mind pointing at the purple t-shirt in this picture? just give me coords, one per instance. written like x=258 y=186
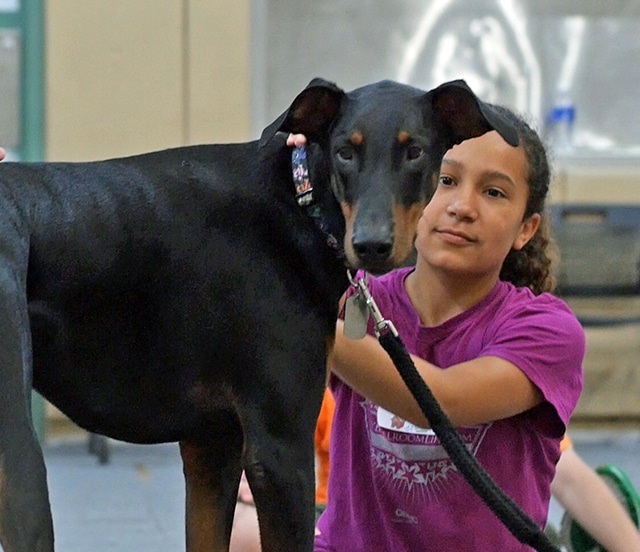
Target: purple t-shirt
x=393 y=488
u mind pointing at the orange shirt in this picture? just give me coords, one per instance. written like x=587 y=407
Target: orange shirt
x=322 y=437
x=565 y=443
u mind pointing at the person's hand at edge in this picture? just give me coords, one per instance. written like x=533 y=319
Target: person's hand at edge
x=296 y=140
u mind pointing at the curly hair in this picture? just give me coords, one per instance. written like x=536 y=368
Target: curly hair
x=532 y=266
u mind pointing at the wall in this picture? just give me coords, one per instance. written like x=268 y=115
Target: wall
x=593 y=180
x=128 y=76
x=521 y=53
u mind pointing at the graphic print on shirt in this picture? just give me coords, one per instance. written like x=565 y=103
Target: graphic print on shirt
x=411 y=458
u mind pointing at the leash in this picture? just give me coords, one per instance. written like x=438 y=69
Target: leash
x=306 y=199
x=359 y=306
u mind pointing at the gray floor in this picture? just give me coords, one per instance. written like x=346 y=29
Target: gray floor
x=136 y=502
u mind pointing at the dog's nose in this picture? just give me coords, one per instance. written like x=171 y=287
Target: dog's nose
x=372 y=252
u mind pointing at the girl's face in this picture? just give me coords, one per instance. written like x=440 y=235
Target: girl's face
x=476 y=214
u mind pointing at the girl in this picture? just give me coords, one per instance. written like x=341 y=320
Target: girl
x=503 y=358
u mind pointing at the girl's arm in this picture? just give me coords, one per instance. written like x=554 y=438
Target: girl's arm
x=481 y=390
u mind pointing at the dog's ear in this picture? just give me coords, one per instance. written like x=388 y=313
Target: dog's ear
x=465 y=115
x=311 y=113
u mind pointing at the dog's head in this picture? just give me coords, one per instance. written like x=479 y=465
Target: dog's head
x=385 y=142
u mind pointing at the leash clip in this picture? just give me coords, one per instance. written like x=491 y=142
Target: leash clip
x=381 y=324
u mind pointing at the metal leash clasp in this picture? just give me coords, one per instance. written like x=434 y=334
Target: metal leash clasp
x=359 y=307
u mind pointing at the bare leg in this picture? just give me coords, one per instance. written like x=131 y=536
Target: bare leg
x=245 y=536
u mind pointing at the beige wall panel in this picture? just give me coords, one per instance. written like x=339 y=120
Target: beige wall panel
x=608 y=181
x=114 y=83
x=218 y=104
x=611 y=375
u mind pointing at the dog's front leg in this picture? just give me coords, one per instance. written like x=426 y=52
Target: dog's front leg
x=279 y=463
x=211 y=475
x=25 y=515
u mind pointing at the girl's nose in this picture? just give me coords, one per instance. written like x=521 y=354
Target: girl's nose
x=462 y=206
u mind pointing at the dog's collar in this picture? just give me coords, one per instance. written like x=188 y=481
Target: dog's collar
x=306 y=199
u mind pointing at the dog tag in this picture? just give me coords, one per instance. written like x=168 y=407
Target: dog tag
x=356 y=317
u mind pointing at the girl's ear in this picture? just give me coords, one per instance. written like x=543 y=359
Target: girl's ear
x=528 y=229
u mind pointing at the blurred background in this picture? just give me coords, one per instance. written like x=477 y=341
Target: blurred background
x=85 y=80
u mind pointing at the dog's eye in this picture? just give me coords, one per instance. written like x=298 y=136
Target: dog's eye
x=345 y=153
x=414 y=152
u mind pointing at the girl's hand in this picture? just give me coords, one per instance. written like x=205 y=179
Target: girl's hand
x=2 y=152
x=296 y=140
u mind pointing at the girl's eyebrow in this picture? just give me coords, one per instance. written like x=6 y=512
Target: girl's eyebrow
x=497 y=175
x=451 y=162
x=489 y=174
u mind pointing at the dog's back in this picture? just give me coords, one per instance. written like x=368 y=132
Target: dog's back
x=136 y=263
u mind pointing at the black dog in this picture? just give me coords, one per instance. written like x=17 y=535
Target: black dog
x=185 y=296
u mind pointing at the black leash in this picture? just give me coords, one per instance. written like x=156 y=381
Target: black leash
x=508 y=512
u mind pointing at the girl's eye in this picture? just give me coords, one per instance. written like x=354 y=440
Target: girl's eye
x=446 y=180
x=493 y=192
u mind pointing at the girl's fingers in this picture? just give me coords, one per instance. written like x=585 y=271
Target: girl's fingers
x=296 y=140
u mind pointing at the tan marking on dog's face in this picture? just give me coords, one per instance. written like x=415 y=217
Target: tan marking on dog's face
x=406 y=225
x=357 y=139
x=349 y=213
x=403 y=137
